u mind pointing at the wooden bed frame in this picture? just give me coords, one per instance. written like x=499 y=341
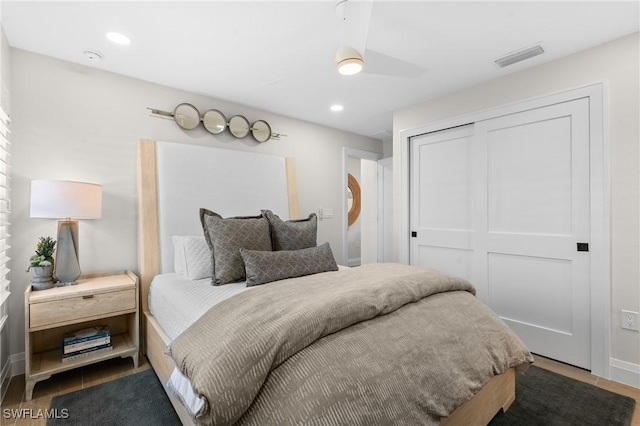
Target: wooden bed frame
x=497 y=394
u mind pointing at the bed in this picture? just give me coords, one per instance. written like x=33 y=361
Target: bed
x=171 y=188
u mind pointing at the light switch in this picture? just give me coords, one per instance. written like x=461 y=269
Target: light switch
x=326 y=213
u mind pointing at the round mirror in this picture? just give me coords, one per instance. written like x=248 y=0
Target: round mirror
x=261 y=131
x=186 y=116
x=239 y=126
x=354 y=204
x=214 y=121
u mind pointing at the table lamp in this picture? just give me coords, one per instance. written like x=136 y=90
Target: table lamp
x=68 y=201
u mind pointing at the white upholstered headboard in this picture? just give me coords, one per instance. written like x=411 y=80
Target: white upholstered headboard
x=230 y=183
x=175 y=180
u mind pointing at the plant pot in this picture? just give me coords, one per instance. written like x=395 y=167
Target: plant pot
x=42 y=277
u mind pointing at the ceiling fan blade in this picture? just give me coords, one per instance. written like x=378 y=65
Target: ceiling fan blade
x=357 y=17
x=281 y=79
x=306 y=69
x=356 y=24
x=379 y=63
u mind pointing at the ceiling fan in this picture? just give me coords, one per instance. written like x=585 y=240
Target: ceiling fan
x=355 y=21
x=354 y=56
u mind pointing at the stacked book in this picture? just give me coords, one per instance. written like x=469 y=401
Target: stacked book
x=85 y=342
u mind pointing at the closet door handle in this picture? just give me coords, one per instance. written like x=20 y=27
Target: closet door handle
x=88 y=297
x=583 y=246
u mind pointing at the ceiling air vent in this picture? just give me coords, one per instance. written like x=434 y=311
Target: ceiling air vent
x=519 y=55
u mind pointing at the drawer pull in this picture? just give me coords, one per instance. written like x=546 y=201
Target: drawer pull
x=88 y=297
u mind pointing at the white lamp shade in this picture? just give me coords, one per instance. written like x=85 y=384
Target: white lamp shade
x=57 y=199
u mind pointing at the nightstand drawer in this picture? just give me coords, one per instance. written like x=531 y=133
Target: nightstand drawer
x=80 y=308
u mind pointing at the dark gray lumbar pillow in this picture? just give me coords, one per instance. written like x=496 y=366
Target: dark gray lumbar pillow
x=267 y=266
x=227 y=236
x=292 y=234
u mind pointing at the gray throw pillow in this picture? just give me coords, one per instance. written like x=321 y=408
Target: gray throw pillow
x=292 y=234
x=267 y=266
x=227 y=236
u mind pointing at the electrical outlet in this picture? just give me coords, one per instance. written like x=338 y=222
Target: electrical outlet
x=630 y=320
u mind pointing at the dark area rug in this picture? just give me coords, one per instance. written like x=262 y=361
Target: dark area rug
x=542 y=398
x=138 y=399
x=549 y=399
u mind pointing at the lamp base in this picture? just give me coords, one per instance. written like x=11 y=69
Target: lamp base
x=67 y=268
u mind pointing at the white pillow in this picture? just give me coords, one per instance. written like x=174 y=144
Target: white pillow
x=192 y=257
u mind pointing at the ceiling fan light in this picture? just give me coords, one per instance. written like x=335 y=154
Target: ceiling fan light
x=350 y=66
x=349 y=61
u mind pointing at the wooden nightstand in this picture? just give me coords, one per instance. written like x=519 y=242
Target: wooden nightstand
x=106 y=299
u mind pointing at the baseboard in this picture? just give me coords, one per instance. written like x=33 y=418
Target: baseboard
x=353 y=262
x=17 y=363
x=625 y=372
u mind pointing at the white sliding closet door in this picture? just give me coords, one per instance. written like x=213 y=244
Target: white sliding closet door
x=505 y=203
x=442 y=221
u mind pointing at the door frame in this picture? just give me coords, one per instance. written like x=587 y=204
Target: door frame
x=354 y=153
x=600 y=201
x=382 y=163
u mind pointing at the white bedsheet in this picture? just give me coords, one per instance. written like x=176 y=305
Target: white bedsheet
x=176 y=302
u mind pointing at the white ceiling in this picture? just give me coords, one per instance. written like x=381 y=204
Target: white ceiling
x=278 y=56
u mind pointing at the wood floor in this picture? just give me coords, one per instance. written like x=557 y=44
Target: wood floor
x=59 y=384
x=110 y=370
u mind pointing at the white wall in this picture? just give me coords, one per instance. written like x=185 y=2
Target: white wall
x=387 y=148
x=618 y=64
x=369 y=213
x=79 y=123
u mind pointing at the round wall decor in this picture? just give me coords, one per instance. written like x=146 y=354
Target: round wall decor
x=214 y=121
x=354 y=211
x=186 y=116
x=239 y=126
x=261 y=131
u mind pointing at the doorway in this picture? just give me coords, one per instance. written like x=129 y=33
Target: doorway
x=360 y=237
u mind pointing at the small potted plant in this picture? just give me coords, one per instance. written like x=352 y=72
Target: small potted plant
x=41 y=264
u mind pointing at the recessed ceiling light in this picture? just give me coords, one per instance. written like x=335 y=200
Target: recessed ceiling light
x=118 y=38
x=336 y=108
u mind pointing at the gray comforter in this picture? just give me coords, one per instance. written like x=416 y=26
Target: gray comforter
x=378 y=344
